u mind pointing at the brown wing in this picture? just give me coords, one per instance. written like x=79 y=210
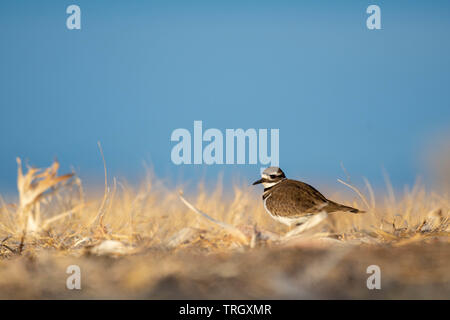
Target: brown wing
x=334 y=206
x=291 y=198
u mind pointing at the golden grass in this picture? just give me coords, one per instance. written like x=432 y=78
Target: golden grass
x=156 y=233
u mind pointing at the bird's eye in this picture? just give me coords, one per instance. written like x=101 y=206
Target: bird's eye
x=273 y=176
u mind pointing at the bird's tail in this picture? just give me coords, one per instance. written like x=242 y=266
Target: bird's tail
x=333 y=206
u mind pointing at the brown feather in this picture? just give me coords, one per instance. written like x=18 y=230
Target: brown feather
x=295 y=199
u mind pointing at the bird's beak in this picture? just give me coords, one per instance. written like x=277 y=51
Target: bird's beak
x=258 y=182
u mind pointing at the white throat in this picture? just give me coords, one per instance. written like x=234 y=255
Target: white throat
x=271 y=184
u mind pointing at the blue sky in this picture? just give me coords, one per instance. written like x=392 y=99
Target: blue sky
x=138 y=70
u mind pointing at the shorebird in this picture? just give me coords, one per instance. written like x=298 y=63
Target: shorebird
x=294 y=202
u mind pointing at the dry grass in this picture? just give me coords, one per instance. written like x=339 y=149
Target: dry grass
x=152 y=242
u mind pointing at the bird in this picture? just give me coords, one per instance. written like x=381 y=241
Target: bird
x=293 y=202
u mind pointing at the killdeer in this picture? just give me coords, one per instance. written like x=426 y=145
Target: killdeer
x=294 y=202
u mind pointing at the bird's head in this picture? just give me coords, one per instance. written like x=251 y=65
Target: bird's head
x=270 y=177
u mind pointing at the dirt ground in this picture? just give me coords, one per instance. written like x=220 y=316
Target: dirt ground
x=309 y=270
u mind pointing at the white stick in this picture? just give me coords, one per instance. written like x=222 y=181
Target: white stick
x=232 y=230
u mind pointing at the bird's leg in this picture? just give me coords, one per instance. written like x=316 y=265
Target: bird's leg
x=308 y=223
